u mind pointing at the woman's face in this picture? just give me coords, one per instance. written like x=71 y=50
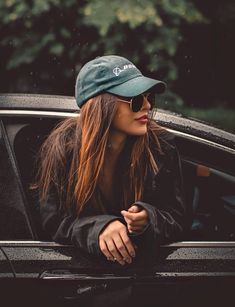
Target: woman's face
x=131 y=123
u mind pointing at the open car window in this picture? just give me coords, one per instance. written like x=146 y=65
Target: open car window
x=209 y=182
x=15 y=223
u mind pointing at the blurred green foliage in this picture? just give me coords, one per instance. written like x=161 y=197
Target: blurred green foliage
x=57 y=37
x=44 y=43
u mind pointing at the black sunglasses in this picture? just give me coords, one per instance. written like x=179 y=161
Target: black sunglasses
x=136 y=103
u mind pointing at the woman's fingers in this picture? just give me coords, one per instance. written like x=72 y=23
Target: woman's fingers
x=134 y=209
x=114 y=251
x=115 y=243
x=122 y=248
x=127 y=242
x=135 y=216
x=135 y=229
x=106 y=251
x=136 y=221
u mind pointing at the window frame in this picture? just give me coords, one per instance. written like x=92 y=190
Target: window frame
x=62 y=115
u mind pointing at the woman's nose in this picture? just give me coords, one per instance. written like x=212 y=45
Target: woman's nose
x=146 y=104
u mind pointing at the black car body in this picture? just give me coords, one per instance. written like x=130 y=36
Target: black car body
x=198 y=271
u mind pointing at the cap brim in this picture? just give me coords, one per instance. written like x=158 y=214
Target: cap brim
x=137 y=86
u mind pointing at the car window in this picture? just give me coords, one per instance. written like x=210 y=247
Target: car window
x=14 y=222
x=209 y=187
x=25 y=137
x=212 y=202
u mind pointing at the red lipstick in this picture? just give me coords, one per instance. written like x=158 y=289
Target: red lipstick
x=143 y=119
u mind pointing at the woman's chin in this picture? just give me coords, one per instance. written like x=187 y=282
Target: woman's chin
x=139 y=132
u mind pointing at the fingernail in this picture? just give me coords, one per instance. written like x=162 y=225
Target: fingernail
x=132 y=254
x=122 y=262
x=128 y=260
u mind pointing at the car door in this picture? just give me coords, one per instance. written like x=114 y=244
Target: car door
x=195 y=272
x=7 y=274
x=41 y=272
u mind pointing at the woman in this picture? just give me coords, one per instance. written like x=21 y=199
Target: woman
x=110 y=180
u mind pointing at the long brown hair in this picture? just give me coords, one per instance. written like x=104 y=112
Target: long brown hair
x=72 y=157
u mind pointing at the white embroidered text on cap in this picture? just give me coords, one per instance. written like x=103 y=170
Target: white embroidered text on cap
x=117 y=70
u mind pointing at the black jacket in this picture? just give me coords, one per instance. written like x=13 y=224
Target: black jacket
x=163 y=199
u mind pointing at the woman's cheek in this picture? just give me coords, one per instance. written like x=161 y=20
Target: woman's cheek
x=128 y=125
x=135 y=128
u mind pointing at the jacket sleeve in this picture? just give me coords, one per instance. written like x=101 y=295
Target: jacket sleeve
x=82 y=232
x=165 y=202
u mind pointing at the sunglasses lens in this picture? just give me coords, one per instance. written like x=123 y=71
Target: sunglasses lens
x=137 y=103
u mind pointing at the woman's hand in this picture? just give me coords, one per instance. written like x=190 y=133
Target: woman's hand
x=115 y=243
x=136 y=218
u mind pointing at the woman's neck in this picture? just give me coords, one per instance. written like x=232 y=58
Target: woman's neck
x=116 y=143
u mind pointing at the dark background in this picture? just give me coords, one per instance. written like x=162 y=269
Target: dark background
x=206 y=73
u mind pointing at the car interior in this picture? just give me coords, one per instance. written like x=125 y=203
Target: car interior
x=208 y=181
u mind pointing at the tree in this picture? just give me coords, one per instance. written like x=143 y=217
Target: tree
x=45 y=42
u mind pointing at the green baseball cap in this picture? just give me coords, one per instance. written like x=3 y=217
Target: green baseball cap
x=113 y=74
